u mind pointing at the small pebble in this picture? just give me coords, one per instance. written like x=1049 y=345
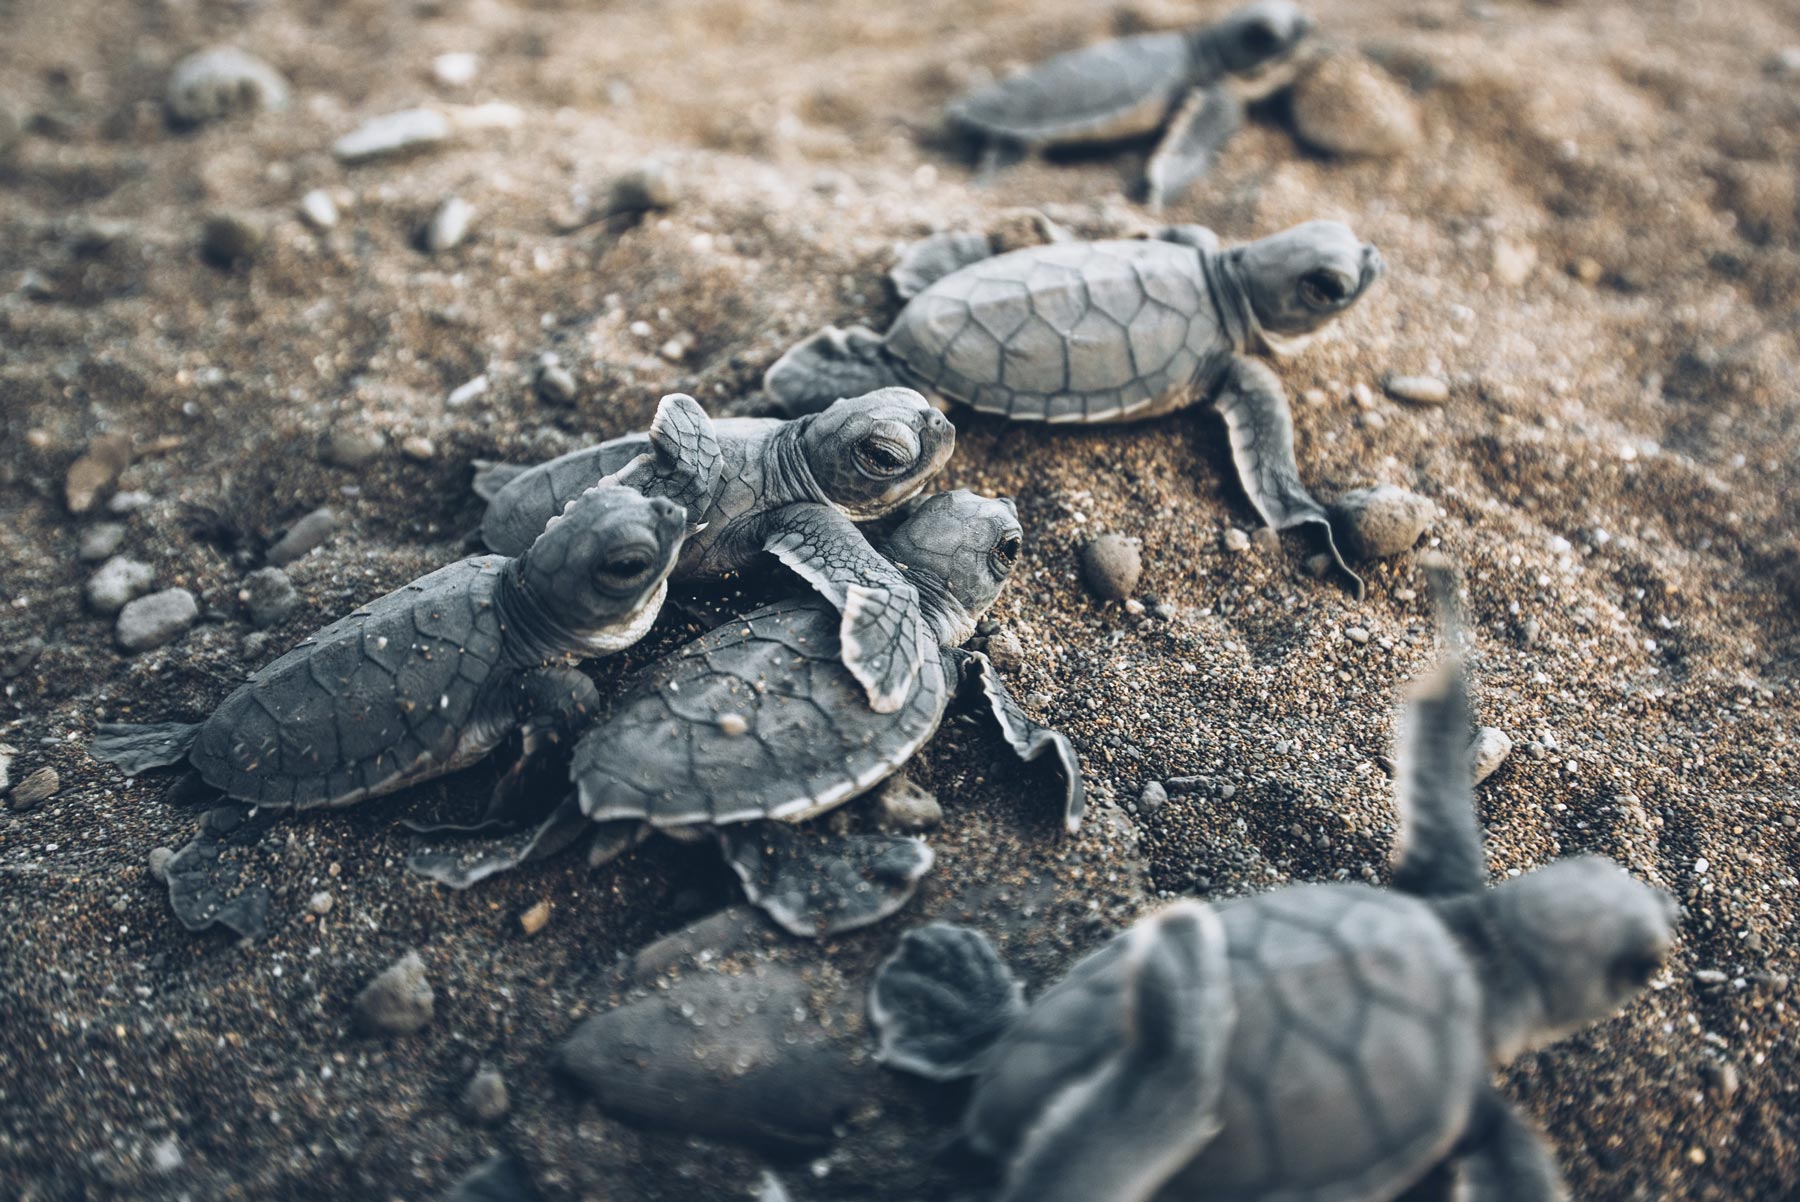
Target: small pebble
x=651 y=186
x=352 y=448
x=222 y=82
x=1266 y=539
x=1356 y=634
x=309 y=532
x=228 y=239
x=1380 y=521
x=159 y=864
x=532 y=921
x=118 y=582
x=318 y=210
x=1492 y=746
x=466 y=392
x=1588 y=270
x=905 y=806
x=1236 y=541
x=404 y=132
x=123 y=504
x=1721 y=1078
x=1346 y=105
x=485 y=1097
x=100 y=541
x=399 y=1000
x=35 y=789
x=674 y=350
x=556 y=384
x=1513 y=261
x=97 y=470
x=1420 y=390
x=320 y=903
x=456 y=69
x=165 y=1156
x=733 y=724
x=1005 y=650
x=157 y=619
x=1153 y=798
x=1112 y=565
x=449 y=225
x=269 y=596
x=418 y=448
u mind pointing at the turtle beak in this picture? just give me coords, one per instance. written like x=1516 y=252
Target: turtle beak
x=1373 y=265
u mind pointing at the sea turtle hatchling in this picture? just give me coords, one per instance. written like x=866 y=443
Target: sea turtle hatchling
x=756 y=726
x=1191 y=85
x=1319 y=1043
x=1109 y=331
x=417 y=684
x=794 y=489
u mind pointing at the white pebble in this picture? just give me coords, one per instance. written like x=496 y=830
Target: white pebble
x=455 y=70
x=465 y=393
x=449 y=225
x=318 y=209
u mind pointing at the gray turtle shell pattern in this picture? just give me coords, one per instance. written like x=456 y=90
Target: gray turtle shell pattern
x=1079 y=332
x=1115 y=89
x=809 y=740
x=1356 y=1054
x=362 y=705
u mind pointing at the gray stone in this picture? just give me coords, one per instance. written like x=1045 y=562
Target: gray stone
x=1420 y=390
x=352 y=448
x=905 y=806
x=269 y=596
x=404 y=132
x=320 y=903
x=309 y=532
x=1112 y=565
x=157 y=619
x=35 y=789
x=1492 y=746
x=222 y=82
x=1153 y=798
x=117 y=582
x=318 y=210
x=485 y=1097
x=1006 y=650
x=100 y=541
x=1380 y=521
x=1348 y=106
x=398 y=1001
x=556 y=384
x=1236 y=541
x=128 y=502
x=449 y=225
x=231 y=238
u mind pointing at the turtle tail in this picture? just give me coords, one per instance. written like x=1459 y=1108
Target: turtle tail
x=492 y=476
x=942 y=1001
x=828 y=366
x=135 y=749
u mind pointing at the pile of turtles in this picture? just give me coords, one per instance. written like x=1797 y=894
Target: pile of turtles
x=1316 y=1042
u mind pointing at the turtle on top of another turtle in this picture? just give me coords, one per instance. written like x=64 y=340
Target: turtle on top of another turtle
x=420 y=683
x=1108 y=331
x=757 y=725
x=793 y=489
x=1317 y=1042
x=1190 y=85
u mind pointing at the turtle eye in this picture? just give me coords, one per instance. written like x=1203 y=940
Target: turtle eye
x=1260 y=40
x=882 y=456
x=1325 y=289
x=1006 y=553
x=627 y=566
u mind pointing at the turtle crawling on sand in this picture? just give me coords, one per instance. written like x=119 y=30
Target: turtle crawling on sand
x=757 y=725
x=1109 y=331
x=794 y=489
x=1191 y=85
x=417 y=684
x=1316 y=1042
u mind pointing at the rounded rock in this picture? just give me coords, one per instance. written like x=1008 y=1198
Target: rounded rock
x=418 y=448
x=1005 y=650
x=1112 y=564
x=269 y=596
x=485 y=1097
x=399 y=1000
x=556 y=384
x=1348 y=106
x=118 y=582
x=99 y=542
x=1153 y=798
x=535 y=919
x=159 y=864
x=231 y=238
x=35 y=789
x=1381 y=521
x=320 y=903
x=391 y=134
x=157 y=619
x=1492 y=746
x=223 y=82
x=352 y=448
x=1419 y=390
x=318 y=210
x=907 y=807
x=304 y=535
x=448 y=226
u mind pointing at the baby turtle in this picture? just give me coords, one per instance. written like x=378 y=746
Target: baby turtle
x=420 y=683
x=793 y=489
x=1316 y=1042
x=757 y=725
x=1192 y=85
x=1110 y=331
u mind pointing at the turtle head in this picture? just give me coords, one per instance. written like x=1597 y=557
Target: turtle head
x=599 y=570
x=1258 y=37
x=967 y=544
x=1298 y=281
x=1586 y=936
x=874 y=452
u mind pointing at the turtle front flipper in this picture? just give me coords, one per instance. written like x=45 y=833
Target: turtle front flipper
x=1117 y=1071
x=492 y=475
x=204 y=877
x=475 y=861
x=883 y=631
x=1503 y=1159
x=815 y=884
x=1028 y=740
x=1206 y=120
x=134 y=748
x=1261 y=428
x=827 y=367
x=1438 y=852
x=941 y=1001
x=684 y=461
x=925 y=262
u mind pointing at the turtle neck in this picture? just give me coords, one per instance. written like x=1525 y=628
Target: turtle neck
x=1205 y=64
x=788 y=473
x=951 y=622
x=532 y=635
x=1224 y=272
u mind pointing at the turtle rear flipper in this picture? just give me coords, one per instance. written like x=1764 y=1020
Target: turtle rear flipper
x=925 y=262
x=204 y=876
x=830 y=365
x=491 y=476
x=941 y=1001
x=476 y=860
x=1028 y=740
x=499 y=1178
x=814 y=884
x=134 y=748
x=1504 y=1158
